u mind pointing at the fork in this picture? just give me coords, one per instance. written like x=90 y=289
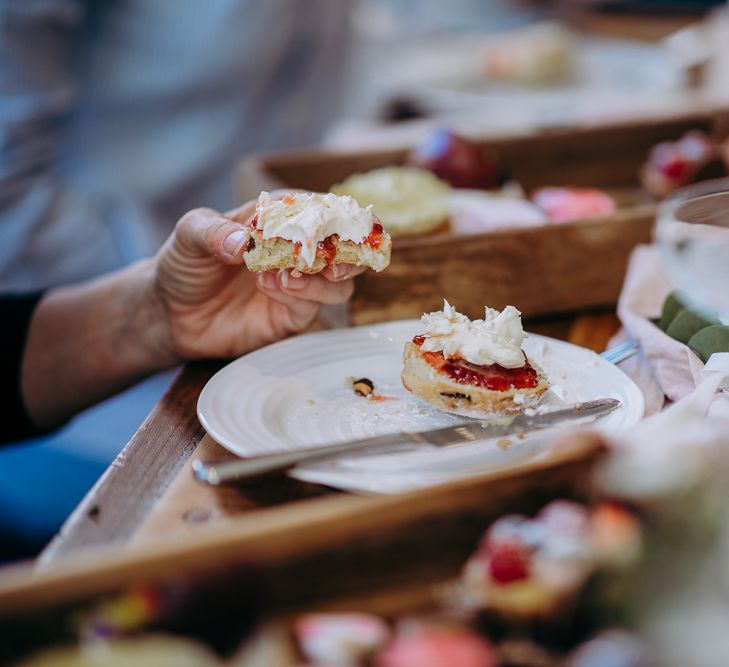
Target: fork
x=621 y=351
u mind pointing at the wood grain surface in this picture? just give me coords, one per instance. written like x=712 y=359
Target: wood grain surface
x=565 y=268
x=319 y=548
x=140 y=474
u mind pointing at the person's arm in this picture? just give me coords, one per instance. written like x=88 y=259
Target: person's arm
x=193 y=300
x=91 y=340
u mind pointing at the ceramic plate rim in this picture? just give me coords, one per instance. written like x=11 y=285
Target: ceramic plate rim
x=636 y=404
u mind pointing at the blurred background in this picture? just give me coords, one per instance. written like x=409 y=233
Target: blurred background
x=116 y=117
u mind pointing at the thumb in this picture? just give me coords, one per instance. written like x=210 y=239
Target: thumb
x=203 y=232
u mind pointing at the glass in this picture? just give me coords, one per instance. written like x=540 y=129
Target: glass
x=692 y=232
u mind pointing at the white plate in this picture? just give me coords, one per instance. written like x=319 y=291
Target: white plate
x=294 y=394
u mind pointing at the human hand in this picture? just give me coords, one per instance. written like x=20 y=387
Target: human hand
x=214 y=307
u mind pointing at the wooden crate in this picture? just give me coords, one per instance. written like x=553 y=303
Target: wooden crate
x=552 y=269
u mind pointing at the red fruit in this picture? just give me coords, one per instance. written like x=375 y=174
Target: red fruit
x=679 y=162
x=508 y=562
x=457 y=161
x=677 y=169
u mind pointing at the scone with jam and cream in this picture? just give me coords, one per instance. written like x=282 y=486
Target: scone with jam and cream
x=408 y=200
x=308 y=232
x=472 y=367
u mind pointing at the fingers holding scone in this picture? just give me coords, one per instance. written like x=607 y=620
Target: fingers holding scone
x=284 y=287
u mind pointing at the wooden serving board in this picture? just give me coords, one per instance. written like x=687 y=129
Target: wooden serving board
x=544 y=270
x=316 y=550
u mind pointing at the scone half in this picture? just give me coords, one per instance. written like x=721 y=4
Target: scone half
x=278 y=253
x=422 y=377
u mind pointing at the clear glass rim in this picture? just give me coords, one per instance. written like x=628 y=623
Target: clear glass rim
x=670 y=205
x=674 y=227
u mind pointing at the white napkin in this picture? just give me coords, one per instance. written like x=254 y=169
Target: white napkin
x=675 y=448
x=664 y=367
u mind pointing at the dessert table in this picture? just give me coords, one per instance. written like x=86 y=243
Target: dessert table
x=148 y=492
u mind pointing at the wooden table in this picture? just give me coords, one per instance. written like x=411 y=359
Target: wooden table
x=148 y=492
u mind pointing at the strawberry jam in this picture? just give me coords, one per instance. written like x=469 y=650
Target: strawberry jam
x=254 y=222
x=374 y=240
x=493 y=377
x=327 y=249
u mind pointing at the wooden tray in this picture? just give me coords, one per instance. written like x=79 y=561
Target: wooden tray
x=319 y=551
x=557 y=268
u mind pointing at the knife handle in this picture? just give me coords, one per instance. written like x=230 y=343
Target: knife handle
x=260 y=466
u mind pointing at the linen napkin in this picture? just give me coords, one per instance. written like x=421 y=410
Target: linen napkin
x=665 y=368
x=672 y=448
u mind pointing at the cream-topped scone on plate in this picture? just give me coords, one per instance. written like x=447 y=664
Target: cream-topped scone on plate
x=472 y=367
x=308 y=231
x=408 y=200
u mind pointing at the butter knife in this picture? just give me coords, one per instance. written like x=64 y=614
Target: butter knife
x=460 y=434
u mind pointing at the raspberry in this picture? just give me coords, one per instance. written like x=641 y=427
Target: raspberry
x=508 y=562
x=677 y=169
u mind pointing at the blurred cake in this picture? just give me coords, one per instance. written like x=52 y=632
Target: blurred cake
x=434 y=645
x=148 y=651
x=407 y=200
x=674 y=164
x=530 y=567
x=477 y=211
x=340 y=638
x=457 y=161
x=533 y=568
x=540 y=54
x=568 y=204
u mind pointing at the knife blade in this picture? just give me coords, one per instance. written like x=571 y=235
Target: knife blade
x=469 y=431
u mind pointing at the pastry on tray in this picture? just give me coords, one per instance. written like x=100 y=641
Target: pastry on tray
x=408 y=200
x=308 y=232
x=532 y=567
x=458 y=161
x=674 y=164
x=472 y=367
x=540 y=54
x=340 y=638
x=568 y=204
x=433 y=644
x=536 y=567
x=476 y=212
